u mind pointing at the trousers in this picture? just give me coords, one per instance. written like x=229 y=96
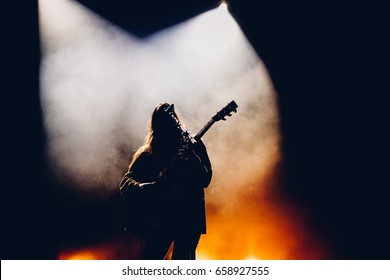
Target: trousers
x=184 y=246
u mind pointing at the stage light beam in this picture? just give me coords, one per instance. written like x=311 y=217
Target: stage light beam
x=223 y=6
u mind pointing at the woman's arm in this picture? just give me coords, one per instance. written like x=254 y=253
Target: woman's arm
x=134 y=179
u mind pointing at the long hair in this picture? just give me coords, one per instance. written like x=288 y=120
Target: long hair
x=164 y=136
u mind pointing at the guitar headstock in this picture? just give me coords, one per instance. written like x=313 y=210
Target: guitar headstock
x=226 y=111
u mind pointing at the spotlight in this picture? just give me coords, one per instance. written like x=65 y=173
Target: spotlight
x=223 y=5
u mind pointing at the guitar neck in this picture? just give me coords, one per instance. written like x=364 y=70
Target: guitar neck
x=204 y=129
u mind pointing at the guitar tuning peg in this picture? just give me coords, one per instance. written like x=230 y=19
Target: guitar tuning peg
x=229 y=115
x=223 y=119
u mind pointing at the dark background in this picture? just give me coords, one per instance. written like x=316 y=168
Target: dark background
x=328 y=63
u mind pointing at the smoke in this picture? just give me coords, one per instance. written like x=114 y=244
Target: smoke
x=99 y=85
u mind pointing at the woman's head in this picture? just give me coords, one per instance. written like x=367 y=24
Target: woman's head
x=161 y=121
x=164 y=132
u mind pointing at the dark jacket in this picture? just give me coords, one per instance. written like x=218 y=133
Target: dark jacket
x=174 y=200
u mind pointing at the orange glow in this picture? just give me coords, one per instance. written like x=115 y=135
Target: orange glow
x=77 y=255
x=258 y=223
x=247 y=218
x=120 y=246
x=259 y=231
x=257 y=226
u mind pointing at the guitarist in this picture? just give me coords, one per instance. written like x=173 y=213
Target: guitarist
x=164 y=188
